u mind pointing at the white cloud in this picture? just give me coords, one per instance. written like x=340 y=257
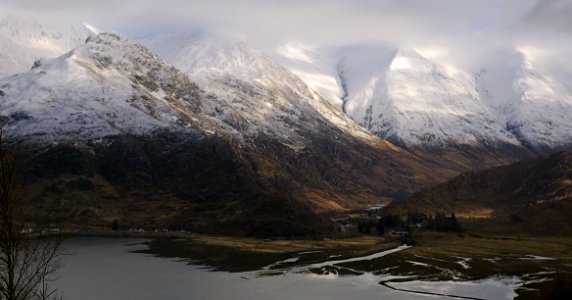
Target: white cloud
x=461 y=30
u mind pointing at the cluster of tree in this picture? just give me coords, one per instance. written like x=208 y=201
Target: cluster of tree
x=366 y=226
x=379 y=224
x=440 y=222
x=443 y=223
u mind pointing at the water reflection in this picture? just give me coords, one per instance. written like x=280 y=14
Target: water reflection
x=104 y=268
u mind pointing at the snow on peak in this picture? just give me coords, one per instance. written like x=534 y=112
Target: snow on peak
x=398 y=94
x=532 y=103
x=401 y=95
x=409 y=59
x=205 y=55
x=107 y=86
x=411 y=99
x=316 y=70
x=416 y=101
x=111 y=85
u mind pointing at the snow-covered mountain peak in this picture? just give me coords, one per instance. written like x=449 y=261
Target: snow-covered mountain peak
x=411 y=99
x=111 y=85
x=401 y=95
x=110 y=50
x=414 y=100
x=529 y=58
x=207 y=56
x=107 y=86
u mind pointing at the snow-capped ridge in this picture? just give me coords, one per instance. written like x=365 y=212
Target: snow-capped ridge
x=396 y=93
x=107 y=86
x=112 y=85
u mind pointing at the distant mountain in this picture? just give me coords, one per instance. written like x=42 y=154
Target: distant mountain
x=512 y=105
x=414 y=101
x=533 y=196
x=22 y=42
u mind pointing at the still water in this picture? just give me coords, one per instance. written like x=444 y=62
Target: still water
x=105 y=268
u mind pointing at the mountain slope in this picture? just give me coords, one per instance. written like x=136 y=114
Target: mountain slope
x=23 y=42
x=224 y=65
x=109 y=130
x=529 y=197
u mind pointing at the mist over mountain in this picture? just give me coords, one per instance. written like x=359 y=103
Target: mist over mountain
x=551 y=14
x=410 y=99
x=22 y=42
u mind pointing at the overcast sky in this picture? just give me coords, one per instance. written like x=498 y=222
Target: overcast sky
x=454 y=25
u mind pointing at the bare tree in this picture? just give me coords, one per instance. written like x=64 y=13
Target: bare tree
x=27 y=261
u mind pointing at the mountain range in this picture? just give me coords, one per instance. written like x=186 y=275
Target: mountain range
x=110 y=130
x=405 y=97
x=198 y=130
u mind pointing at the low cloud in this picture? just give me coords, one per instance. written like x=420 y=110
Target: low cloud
x=458 y=30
